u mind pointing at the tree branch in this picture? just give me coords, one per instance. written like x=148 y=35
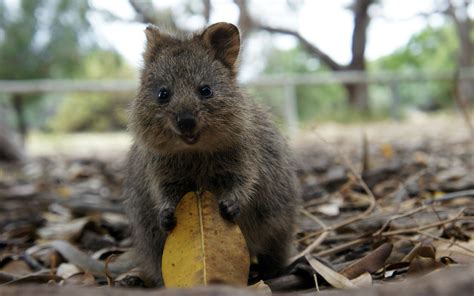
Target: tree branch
x=143 y=13
x=110 y=16
x=463 y=26
x=311 y=48
x=247 y=23
x=207 y=10
x=148 y=14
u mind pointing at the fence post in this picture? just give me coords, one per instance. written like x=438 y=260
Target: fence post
x=396 y=100
x=291 y=108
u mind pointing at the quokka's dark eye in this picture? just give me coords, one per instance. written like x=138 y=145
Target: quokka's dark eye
x=163 y=95
x=205 y=91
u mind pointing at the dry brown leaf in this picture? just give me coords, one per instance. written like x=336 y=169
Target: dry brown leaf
x=204 y=248
x=6 y=277
x=422 y=260
x=423 y=265
x=427 y=251
x=363 y=280
x=444 y=249
x=35 y=279
x=370 y=263
x=64 y=231
x=48 y=256
x=73 y=255
x=334 y=278
x=17 y=267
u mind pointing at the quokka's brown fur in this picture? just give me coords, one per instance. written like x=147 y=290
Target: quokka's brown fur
x=225 y=144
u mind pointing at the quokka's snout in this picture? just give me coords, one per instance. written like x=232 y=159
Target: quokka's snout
x=186 y=123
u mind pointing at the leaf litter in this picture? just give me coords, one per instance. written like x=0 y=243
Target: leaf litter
x=375 y=210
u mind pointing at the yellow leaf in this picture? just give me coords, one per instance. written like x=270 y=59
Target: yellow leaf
x=204 y=248
x=63 y=191
x=387 y=150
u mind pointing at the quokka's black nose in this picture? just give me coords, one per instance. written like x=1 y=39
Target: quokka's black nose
x=186 y=122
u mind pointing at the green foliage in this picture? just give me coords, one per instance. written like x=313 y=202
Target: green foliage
x=53 y=39
x=42 y=39
x=95 y=112
x=431 y=49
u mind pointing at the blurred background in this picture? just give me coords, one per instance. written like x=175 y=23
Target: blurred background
x=69 y=69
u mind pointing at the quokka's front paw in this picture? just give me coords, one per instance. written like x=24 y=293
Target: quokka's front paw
x=229 y=209
x=167 y=219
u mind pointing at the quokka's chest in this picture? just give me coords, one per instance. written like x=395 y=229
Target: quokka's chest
x=201 y=168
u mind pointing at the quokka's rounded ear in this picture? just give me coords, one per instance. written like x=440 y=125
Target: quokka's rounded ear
x=155 y=40
x=153 y=34
x=224 y=40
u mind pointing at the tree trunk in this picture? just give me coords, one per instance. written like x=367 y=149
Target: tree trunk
x=465 y=87
x=18 y=102
x=463 y=24
x=358 y=96
x=9 y=149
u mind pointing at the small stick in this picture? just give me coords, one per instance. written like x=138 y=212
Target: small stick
x=110 y=280
x=446 y=241
x=398 y=195
x=437 y=215
x=426 y=226
x=361 y=181
x=342 y=247
x=362 y=216
x=316 y=282
x=316 y=242
x=412 y=212
x=453 y=195
x=365 y=154
x=314 y=218
x=460 y=102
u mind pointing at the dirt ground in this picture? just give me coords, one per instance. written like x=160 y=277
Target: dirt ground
x=415 y=130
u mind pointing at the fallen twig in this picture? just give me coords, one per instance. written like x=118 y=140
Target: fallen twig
x=427 y=226
x=452 y=195
x=412 y=212
x=316 y=242
x=446 y=241
x=342 y=247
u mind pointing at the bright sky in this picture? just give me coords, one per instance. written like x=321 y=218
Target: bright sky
x=326 y=23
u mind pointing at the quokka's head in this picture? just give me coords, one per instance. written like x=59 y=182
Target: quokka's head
x=188 y=98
